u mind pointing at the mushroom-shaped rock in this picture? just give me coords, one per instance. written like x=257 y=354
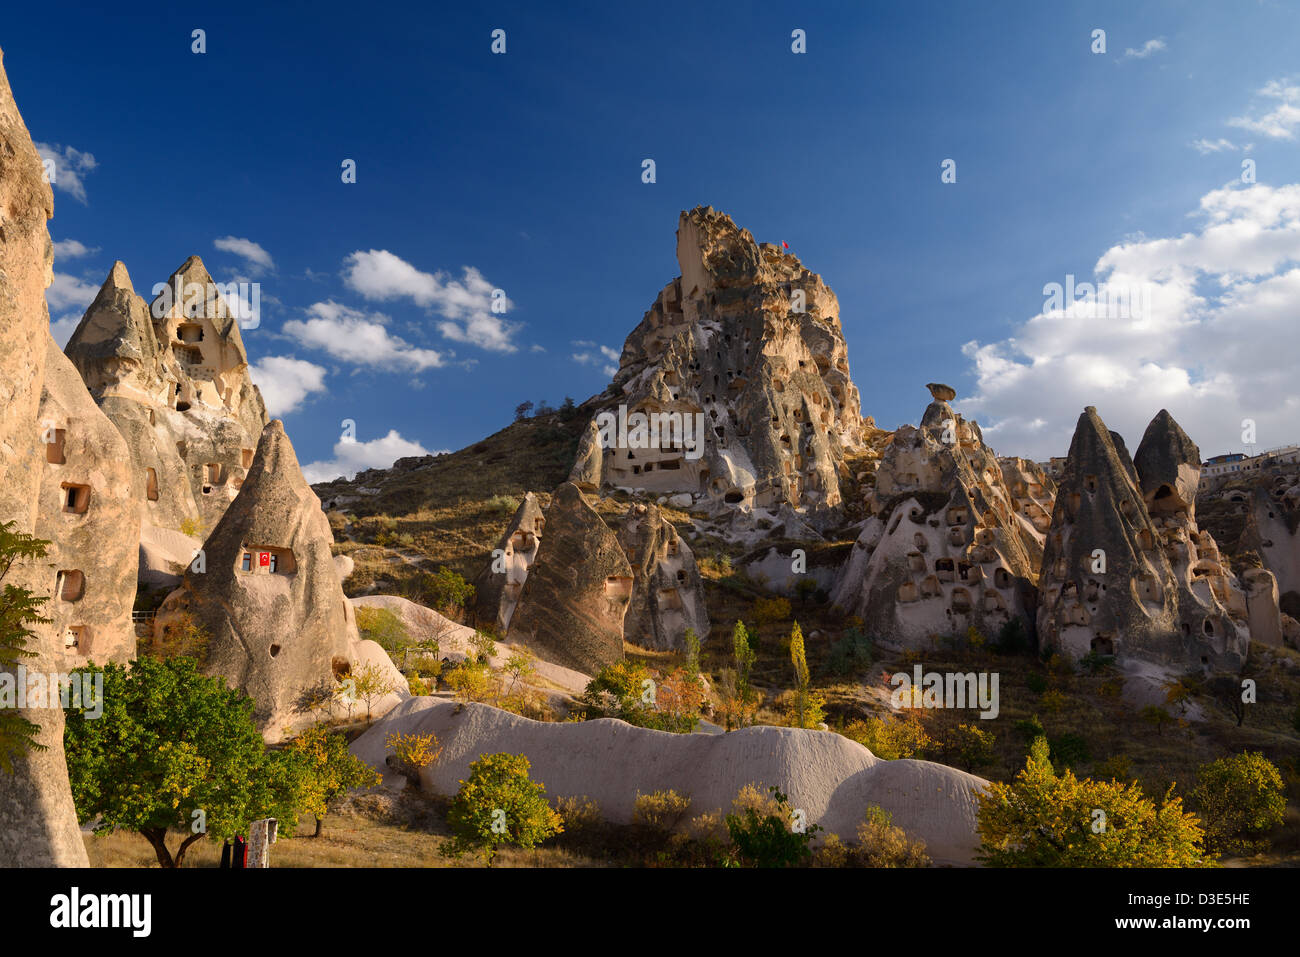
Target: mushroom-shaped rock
x=570 y=610
x=941 y=392
x=497 y=587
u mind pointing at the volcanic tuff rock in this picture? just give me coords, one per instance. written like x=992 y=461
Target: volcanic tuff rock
x=949 y=544
x=270 y=598
x=38 y=823
x=173 y=377
x=1272 y=531
x=1123 y=579
x=88 y=511
x=825 y=774
x=571 y=607
x=497 y=588
x=750 y=339
x=667 y=591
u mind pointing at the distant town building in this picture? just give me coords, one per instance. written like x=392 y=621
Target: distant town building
x=1222 y=465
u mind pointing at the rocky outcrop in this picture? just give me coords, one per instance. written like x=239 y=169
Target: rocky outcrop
x=573 y=602
x=744 y=349
x=1272 y=531
x=948 y=546
x=1126 y=571
x=173 y=377
x=497 y=588
x=667 y=591
x=38 y=823
x=269 y=597
x=88 y=512
x=830 y=778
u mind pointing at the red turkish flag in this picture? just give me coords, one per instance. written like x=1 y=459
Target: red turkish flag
x=264 y=558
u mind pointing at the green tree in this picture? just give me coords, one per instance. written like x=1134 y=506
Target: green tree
x=692 y=663
x=383 y=627
x=19 y=610
x=520 y=666
x=803 y=703
x=368 y=684
x=326 y=771
x=1240 y=797
x=499 y=805
x=1045 y=820
x=744 y=656
x=447 y=591
x=173 y=751
x=969 y=746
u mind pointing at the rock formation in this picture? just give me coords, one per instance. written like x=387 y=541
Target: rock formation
x=88 y=511
x=667 y=591
x=38 y=823
x=269 y=597
x=1126 y=571
x=747 y=343
x=832 y=779
x=573 y=602
x=173 y=377
x=497 y=588
x=948 y=545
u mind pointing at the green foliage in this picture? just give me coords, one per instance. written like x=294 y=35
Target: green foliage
x=1240 y=797
x=1045 y=820
x=409 y=754
x=805 y=588
x=324 y=770
x=519 y=666
x=1013 y=639
x=501 y=505
x=383 y=627
x=182 y=636
x=484 y=646
x=627 y=690
x=368 y=683
x=890 y=738
x=1069 y=751
x=969 y=747
x=172 y=742
x=1035 y=682
x=766 y=839
x=499 y=805
x=850 y=654
x=770 y=610
x=19 y=610
x=661 y=811
x=447 y=590
x=691 y=666
x=1030 y=728
x=1157 y=717
x=192 y=527
x=472 y=681
x=801 y=676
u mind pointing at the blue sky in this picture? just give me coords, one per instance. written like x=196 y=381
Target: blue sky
x=522 y=172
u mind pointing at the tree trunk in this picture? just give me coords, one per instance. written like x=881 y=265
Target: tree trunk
x=185 y=844
x=320 y=825
x=157 y=836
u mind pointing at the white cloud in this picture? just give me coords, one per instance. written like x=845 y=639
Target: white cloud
x=1204 y=146
x=257 y=259
x=351 y=457
x=360 y=338
x=1282 y=118
x=465 y=304
x=1216 y=346
x=285 y=382
x=63 y=327
x=1146 y=50
x=69 y=166
x=592 y=354
x=67 y=291
x=72 y=249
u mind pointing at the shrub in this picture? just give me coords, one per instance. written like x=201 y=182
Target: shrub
x=472 y=681
x=383 y=627
x=850 y=655
x=578 y=815
x=770 y=610
x=1046 y=820
x=890 y=738
x=1030 y=728
x=192 y=527
x=1240 y=797
x=767 y=840
x=183 y=637
x=1069 y=750
x=661 y=811
x=1052 y=701
x=805 y=588
x=969 y=746
x=484 y=646
x=409 y=754
x=882 y=844
x=501 y=505
x=1013 y=638
x=1035 y=682
x=498 y=805
x=447 y=590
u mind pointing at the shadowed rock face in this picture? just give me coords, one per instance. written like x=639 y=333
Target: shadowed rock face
x=949 y=545
x=498 y=586
x=89 y=511
x=38 y=823
x=283 y=624
x=751 y=340
x=572 y=605
x=173 y=377
x=1161 y=595
x=1168 y=464
x=667 y=591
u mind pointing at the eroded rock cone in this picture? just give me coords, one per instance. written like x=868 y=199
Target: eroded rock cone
x=1168 y=464
x=38 y=823
x=572 y=605
x=497 y=588
x=949 y=546
x=667 y=591
x=269 y=597
x=1118 y=580
x=745 y=347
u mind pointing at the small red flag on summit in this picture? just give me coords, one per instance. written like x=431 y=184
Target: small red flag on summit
x=785 y=244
